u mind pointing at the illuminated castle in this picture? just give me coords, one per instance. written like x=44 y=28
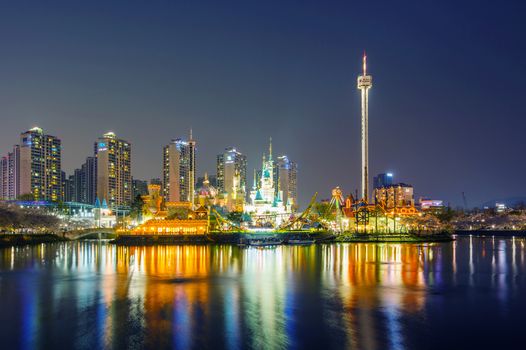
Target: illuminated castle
x=266 y=198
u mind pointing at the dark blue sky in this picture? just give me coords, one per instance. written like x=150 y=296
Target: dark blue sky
x=447 y=107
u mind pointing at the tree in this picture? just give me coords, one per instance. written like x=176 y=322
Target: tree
x=26 y=197
x=235 y=216
x=446 y=215
x=136 y=208
x=324 y=211
x=14 y=218
x=423 y=223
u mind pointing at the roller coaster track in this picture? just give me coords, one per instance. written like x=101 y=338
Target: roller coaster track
x=221 y=220
x=301 y=217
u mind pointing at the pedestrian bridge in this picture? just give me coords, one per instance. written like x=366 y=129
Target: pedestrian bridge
x=91 y=233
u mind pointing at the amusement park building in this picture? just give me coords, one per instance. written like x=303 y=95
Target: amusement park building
x=266 y=197
x=170 y=218
x=396 y=195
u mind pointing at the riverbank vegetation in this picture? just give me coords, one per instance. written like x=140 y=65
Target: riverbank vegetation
x=14 y=219
x=10 y=240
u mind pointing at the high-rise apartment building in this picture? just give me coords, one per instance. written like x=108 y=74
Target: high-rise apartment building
x=40 y=165
x=10 y=175
x=156 y=181
x=287 y=172
x=114 y=185
x=78 y=186
x=383 y=180
x=90 y=174
x=231 y=164
x=3 y=178
x=179 y=170
x=68 y=188
x=140 y=188
x=13 y=158
x=84 y=182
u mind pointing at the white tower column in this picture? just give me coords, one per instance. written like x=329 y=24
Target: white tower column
x=365 y=82
x=191 y=172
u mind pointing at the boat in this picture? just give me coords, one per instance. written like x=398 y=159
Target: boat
x=301 y=241
x=264 y=242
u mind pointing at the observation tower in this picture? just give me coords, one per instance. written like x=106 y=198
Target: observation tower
x=365 y=82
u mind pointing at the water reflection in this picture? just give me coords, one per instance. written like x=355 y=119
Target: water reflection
x=374 y=296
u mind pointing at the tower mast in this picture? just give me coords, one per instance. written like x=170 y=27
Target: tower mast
x=191 y=173
x=365 y=82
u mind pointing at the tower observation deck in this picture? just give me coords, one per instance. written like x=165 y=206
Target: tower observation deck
x=365 y=82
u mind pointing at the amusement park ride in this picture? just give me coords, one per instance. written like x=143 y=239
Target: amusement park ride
x=360 y=211
x=299 y=223
x=354 y=211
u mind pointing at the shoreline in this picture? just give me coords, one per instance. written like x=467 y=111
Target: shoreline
x=235 y=238
x=241 y=238
x=20 y=239
x=500 y=233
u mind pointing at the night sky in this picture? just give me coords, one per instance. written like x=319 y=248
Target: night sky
x=447 y=109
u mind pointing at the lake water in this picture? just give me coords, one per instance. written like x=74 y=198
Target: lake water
x=467 y=294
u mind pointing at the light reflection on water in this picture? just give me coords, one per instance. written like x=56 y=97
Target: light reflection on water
x=372 y=296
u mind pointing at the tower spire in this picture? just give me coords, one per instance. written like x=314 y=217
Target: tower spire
x=191 y=136
x=364 y=63
x=270 y=149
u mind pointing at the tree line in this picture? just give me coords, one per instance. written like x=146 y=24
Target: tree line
x=13 y=218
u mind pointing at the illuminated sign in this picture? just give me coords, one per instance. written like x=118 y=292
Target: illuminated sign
x=102 y=147
x=429 y=203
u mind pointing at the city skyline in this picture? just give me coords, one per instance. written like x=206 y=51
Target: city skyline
x=111 y=182
x=227 y=174
x=427 y=122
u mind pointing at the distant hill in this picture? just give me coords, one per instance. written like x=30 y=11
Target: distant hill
x=510 y=202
